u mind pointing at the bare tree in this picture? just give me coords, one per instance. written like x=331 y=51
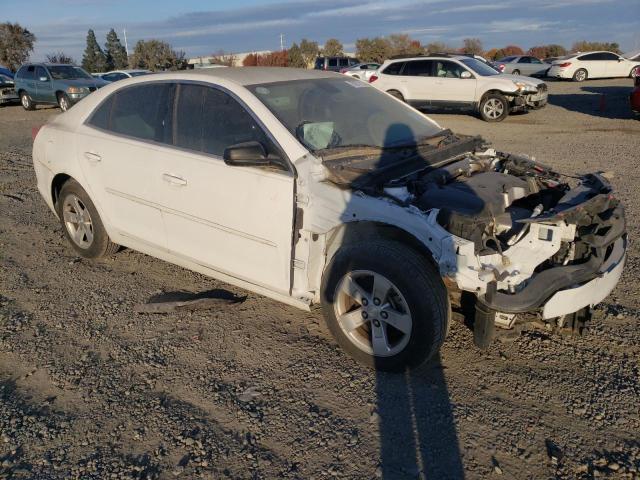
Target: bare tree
x=333 y=48
x=60 y=57
x=472 y=46
x=223 y=58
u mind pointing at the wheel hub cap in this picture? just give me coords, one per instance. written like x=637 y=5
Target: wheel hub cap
x=493 y=108
x=78 y=222
x=373 y=313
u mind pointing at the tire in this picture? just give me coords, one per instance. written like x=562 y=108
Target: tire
x=635 y=71
x=396 y=94
x=580 y=75
x=63 y=102
x=26 y=101
x=494 y=107
x=516 y=72
x=87 y=235
x=415 y=297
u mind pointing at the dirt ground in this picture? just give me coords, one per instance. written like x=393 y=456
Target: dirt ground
x=259 y=390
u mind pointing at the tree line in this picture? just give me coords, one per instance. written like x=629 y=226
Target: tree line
x=17 y=42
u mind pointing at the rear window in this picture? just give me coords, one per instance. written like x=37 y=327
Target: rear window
x=394 y=68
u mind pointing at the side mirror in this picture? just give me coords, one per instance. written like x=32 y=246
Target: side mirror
x=466 y=74
x=44 y=79
x=247 y=154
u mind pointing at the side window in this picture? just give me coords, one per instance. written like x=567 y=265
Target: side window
x=20 y=72
x=609 y=56
x=41 y=73
x=29 y=74
x=209 y=120
x=394 y=68
x=102 y=115
x=524 y=60
x=446 y=69
x=418 y=68
x=144 y=111
x=333 y=62
x=535 y=60
x=589 y=56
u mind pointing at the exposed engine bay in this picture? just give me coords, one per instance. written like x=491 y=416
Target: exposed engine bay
x=521 y=232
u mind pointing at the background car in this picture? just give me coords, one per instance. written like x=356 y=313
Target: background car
x=7 y=91
x=581 y=66
x=522 y=65
x=335 y=64
x=54 y=84
x=634 y=97
x=459 y=82
x=122 y=74
x=361 y=71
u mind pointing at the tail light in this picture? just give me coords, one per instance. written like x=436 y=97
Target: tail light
x=34 y=131
x=564 y=65
x=501 y=67
x=373 y=78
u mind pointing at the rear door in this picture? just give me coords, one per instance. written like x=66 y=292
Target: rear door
x=44 y=86
x=594 y=64
x=450 y=88
x=420 y=84
x=538 y=67
x=121 y=149
x=236 y=220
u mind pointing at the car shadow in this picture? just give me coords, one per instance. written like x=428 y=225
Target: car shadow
x=598 y=101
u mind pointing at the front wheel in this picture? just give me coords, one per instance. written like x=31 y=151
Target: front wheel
x=26 y=101
x=494 y=107
x=580 y=75
x=385 y=304
x=64 y=102
x=516 y=72
x=396 y=94
x=81 y=223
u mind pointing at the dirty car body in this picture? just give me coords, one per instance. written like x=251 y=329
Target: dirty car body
x=322 y=170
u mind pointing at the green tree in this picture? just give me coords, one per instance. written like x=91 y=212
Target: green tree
x=94 y=59
x=333 y=48
x=116 y=55
x=60 y=57
x=16 y=43
x=472 y=46
x=156 y=55
x=373 y=49
x=310 y=51
x=296 y=59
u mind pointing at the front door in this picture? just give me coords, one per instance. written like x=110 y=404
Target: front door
x=121 y=151
x=450 y=88
x=44 y=86
x=237 y=220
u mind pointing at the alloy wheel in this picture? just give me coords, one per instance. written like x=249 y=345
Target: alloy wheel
x=77 y=220
x=580 y=75
x=64 y=104
x=493 y=108
x=373 y=313
x=25 y=100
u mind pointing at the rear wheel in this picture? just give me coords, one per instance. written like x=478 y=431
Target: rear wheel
x=396 y=94
x=385 y=304
x=81 y=223
x=635 y=71
x=516 y=72
x=494 y=107
x=26 y=101
x=580 y=75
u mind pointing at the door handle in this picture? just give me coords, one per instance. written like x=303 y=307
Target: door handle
x=92 y=157
x=174 y=179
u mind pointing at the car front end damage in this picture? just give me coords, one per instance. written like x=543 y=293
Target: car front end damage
x=8 y=93
x=534 y=247
x=528 y=97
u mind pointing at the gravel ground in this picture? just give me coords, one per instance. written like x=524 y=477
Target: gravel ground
x=256 y=389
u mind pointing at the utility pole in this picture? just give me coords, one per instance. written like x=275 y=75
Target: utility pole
x=126 y=46
x=282 y=41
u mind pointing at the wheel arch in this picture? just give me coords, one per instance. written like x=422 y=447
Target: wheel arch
x=57 y=183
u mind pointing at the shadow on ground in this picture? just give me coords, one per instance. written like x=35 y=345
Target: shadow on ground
x=599 y=101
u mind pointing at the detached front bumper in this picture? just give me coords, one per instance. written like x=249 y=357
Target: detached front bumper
x=8 y=95
x=531 y=100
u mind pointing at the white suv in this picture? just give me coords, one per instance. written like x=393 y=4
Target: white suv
x=461 y=82
x=315 y=188
x=581 y=66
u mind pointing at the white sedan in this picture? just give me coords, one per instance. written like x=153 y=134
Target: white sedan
x=581 y=66
x=314 y=188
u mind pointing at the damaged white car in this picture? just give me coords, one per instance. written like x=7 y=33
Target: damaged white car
x=311 y=188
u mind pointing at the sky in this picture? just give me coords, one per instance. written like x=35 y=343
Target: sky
x=202 y=27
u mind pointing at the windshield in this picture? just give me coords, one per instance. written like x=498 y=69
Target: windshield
x=68 y=72
x=336 y=113
x=479 y=67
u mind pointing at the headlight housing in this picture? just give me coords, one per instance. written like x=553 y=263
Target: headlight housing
x=77 y=90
